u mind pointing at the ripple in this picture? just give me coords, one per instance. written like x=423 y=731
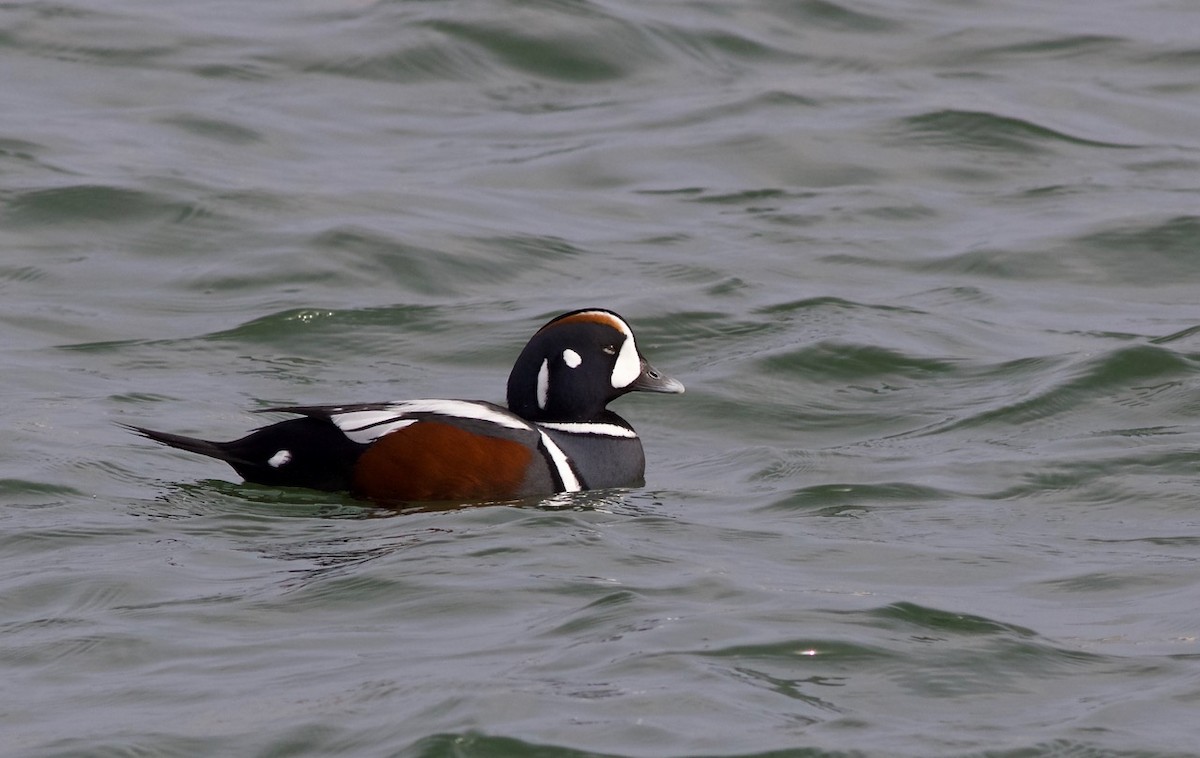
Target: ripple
x=20 y=492
x=92 y=204
x=1052 y=48
x=1152 y=253
x=1182 y=334
x=452 y=744
x=1130 y=368
x=840 y=499
x=63 y=33
x=218 y=130
x=575 y=45
x=1002 y=264
x=934 y=619
x=840 y=362
x=802 y=649
x=318 y=323
x=432 y=60
x=838 y=16
x=22 y=273
x=1103 y=581
x=983 y=131
x=560 y=57
x=902 y=505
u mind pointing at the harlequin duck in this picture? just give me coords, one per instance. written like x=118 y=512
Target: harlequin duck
x=555 y=436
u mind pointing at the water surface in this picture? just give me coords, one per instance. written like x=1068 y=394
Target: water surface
x=928 y=269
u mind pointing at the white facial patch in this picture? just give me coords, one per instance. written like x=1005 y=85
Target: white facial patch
x=571 y=358
x=280 y=458
x=629 y=364
x=543 y=384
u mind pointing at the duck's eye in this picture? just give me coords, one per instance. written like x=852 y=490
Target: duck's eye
x=610 y=349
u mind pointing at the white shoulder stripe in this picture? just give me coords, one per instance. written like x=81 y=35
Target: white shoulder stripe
x=357 y=421
x=462 y=409
x=583 y=427
x=371 y=433
x=562 y=464
x=367 y=426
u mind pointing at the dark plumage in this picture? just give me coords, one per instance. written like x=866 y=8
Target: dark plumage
x=555 y=435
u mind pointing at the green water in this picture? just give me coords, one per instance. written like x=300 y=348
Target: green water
x=929 y=270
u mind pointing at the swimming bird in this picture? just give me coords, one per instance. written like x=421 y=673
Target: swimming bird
x=555 y=435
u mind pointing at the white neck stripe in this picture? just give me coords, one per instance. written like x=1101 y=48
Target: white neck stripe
x=585 y=427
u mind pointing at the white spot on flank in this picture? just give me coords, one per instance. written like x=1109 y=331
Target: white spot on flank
x=571 y=358
x=543 y=384
x=280 y=458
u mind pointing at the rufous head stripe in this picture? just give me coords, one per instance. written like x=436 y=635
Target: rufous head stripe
x=604 y=318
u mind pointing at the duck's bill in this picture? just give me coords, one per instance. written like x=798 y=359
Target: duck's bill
x=653 y=380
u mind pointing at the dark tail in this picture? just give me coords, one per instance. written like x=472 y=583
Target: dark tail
x=301 y=452
x=218 y=450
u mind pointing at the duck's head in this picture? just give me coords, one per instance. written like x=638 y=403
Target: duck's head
x=577 y=364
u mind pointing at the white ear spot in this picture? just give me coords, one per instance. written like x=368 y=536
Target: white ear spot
x=571 y=358
x=628 y=366
x=543 y=384
x=279 y=459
